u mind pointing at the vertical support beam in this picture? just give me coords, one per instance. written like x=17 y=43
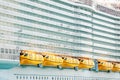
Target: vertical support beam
x=96 y=65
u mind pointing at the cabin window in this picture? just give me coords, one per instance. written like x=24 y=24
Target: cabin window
x=10 y=51
x=17 y=77
x=6 y=50
x=2 y=50
x=13 y=51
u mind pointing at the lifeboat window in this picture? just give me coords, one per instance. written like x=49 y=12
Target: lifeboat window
x=82 y=60
x=43 y=55
x=98 y=62
x=65 y=58
x=102 y=63
x=21 y=53
x=25 y=54
x=47 y=56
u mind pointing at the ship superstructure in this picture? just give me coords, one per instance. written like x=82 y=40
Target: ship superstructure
x=73 y=27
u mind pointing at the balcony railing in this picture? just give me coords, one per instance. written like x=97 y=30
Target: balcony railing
x=108 y=11
x=86 y=2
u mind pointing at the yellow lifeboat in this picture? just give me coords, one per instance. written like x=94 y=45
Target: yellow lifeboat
x=116 y=67
x=28 y=57
x=105 y=66
x=69 y=62
x=52 y=60
x=86 y=64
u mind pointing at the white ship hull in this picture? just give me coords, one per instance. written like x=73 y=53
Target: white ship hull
x=46 y=73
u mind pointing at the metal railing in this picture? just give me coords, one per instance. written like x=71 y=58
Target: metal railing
x=108 y=11
x=57 y=77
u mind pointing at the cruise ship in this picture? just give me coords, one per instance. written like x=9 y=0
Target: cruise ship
x=70 y=27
